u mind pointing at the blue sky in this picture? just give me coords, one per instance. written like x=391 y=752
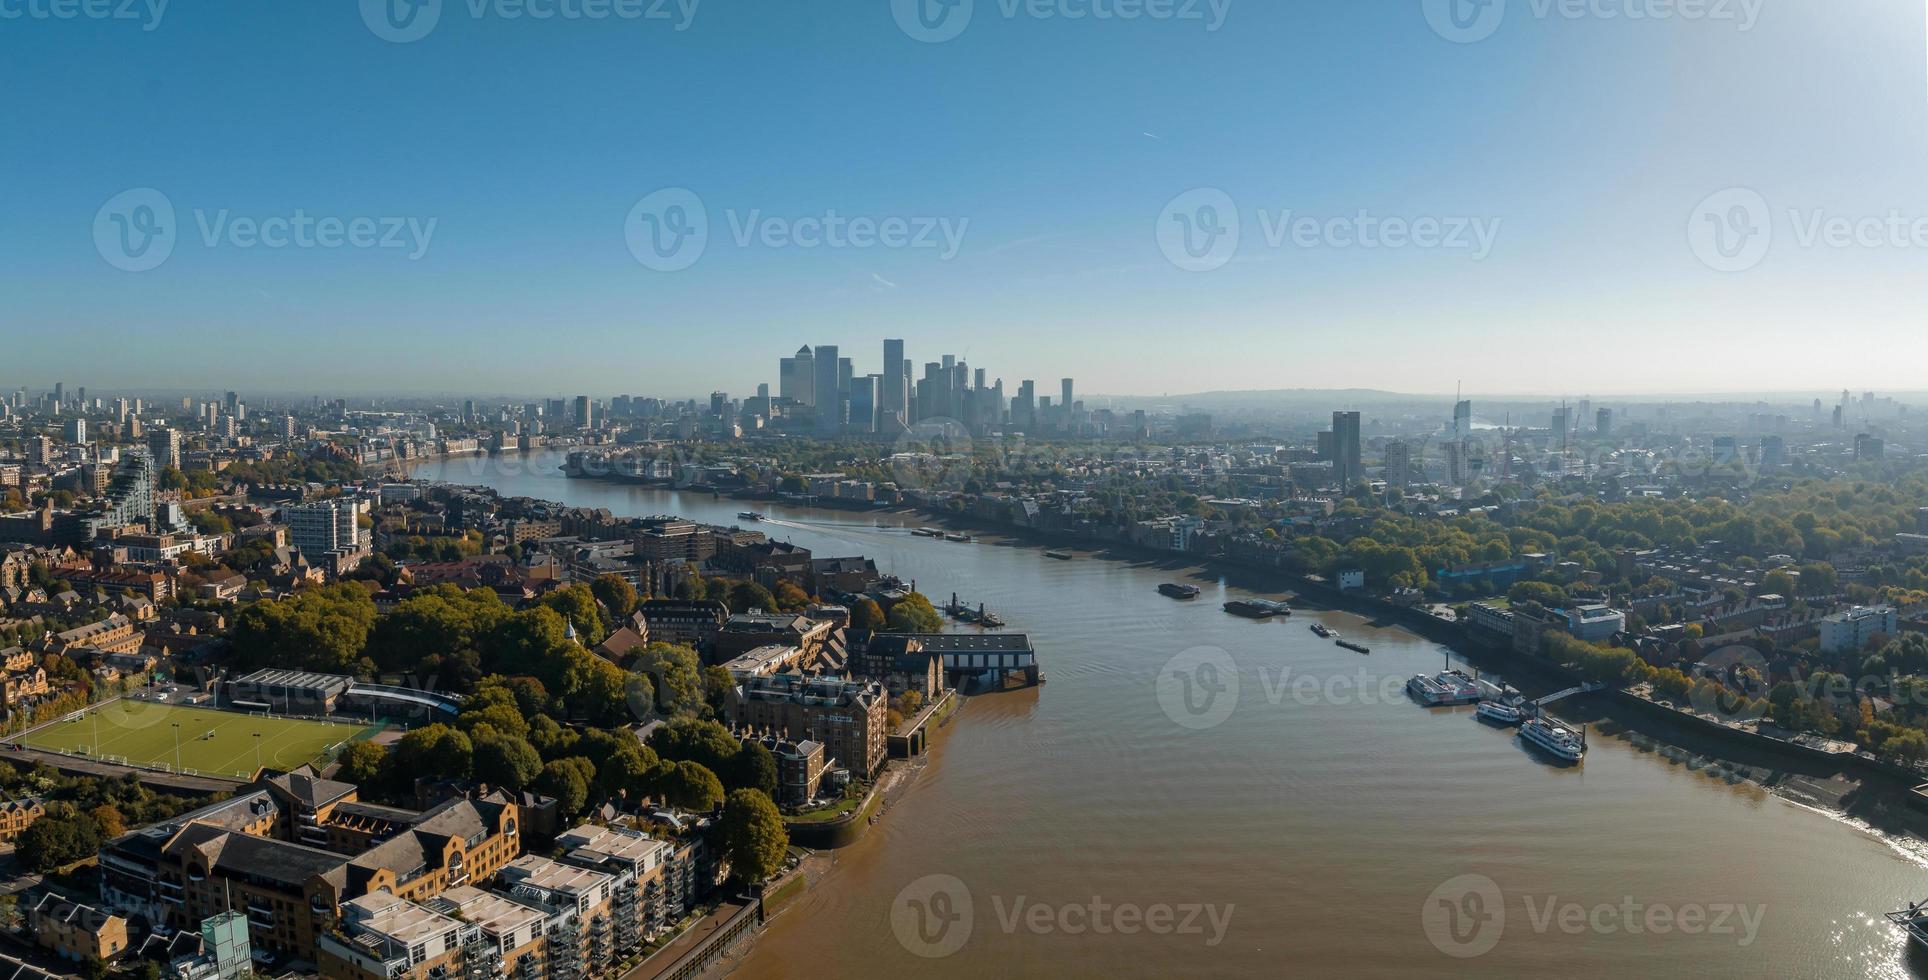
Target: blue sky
x=1584 y=143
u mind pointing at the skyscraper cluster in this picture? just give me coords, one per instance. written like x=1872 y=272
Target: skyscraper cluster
x=821 y=384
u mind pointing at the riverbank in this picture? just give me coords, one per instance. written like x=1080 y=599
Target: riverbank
x=1868 y=791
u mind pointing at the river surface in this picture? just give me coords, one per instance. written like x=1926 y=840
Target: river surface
x=1196 y=795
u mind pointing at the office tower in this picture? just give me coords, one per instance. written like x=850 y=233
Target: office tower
x=60 y=392
x=1345 y=449
x=1399 y=461
x=830 y=407
x=165 y=446
x=1024 y=411
x=324 y=527
x=1456 y=456
x=584 y=414
x=1561 y=424
x=893 y=399
x=1603 y=422
x=763 y=393
x=76 y=431
x=1867 y=446
x=1840 y=420
x=863 y=402
x=468 y=410
x=1064 y=399
x=1462 y=419
x=1773 y=452
x=229 y=401
x=806 y=376
x=1580 y=418
x=845 y=372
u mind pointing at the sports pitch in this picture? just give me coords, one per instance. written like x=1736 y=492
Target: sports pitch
x=143 y=733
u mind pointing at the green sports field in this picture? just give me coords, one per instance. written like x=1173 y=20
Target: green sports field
x=143 y=733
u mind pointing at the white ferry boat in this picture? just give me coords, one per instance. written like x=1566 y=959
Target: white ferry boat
x=1554 y=738
x=1445 y=687
x=1501 y=712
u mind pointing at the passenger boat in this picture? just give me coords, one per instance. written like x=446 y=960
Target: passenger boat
x=1501 y=712
x=1554 y=738
x=1354 y=647
x=1059 y=555
x=749 y=515
x=964 y=538
x=1445 y=687
x=1325 y=631
x=1179 y=591
x=928 y=532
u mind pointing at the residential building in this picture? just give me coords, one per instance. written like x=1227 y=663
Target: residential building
x=847 y=716
x=1854 y=629
x=78 y=932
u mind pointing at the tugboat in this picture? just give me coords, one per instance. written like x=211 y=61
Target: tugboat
x=1179 y=591
x=1554 y=738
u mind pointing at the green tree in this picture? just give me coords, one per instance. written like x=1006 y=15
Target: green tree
x=578 y=604
x=691 y=786
x=676 y=680
x=320 y=629
x=361 y=763
x=915 y=614
x=431 y=752
x=867 y=615
x=753 y=835
x=615 y=593
x=745 y=596
x=505 y=760
x=567 y=780
x=754 y=768
x=704 y=742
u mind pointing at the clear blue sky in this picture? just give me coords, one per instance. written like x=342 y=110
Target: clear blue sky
x=1590 y=141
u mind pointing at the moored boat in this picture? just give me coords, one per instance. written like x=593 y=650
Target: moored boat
x=1354 y=647
x=957 y=537
x=1501 y=712
x=1256 y=608
x=1325 y=631
x=1914 y=919
x=1059 y=555
x=1554 y=738
x=1178 y=590
x=1445 y=687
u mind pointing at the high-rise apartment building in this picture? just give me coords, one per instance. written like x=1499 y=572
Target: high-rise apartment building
x=1346 y=468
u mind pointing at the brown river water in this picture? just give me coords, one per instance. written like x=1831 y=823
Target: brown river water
x=1196 y=795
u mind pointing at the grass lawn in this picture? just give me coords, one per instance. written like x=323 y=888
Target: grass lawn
x=211 y=742
x=843 y=808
